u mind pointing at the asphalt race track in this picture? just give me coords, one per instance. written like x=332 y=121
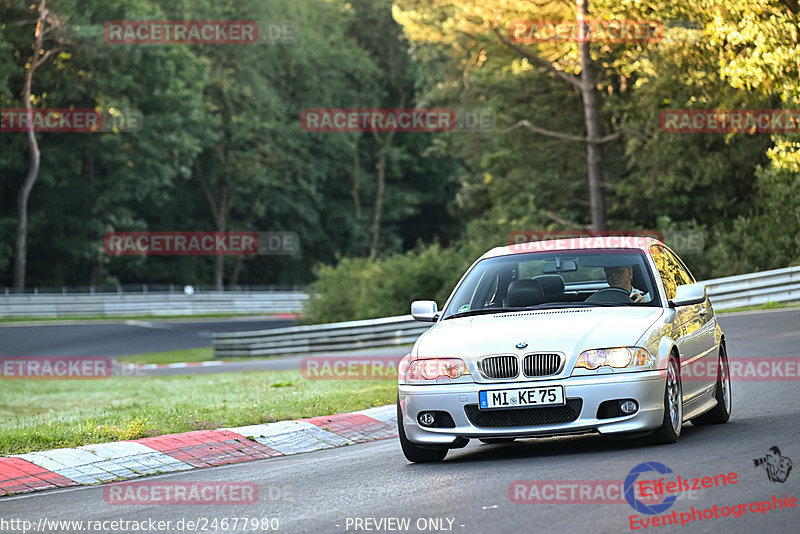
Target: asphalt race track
x=337 y=490
x=136 y=337
x=121 y=338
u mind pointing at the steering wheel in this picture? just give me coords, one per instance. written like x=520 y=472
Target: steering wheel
x=611 y=294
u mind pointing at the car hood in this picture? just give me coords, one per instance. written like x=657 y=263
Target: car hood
x=569 y=331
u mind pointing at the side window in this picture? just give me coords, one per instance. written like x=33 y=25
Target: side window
x=685 y=274
x=672 y=273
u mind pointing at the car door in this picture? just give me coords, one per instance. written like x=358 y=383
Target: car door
x=690 y=323
x=703 y=325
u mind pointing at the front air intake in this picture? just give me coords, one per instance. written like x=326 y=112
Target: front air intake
x=500 y=366
x=541 y=364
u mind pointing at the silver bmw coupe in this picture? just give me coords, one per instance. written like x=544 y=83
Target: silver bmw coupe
x=571 y=336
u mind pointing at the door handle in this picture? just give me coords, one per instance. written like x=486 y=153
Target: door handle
x=702 y=311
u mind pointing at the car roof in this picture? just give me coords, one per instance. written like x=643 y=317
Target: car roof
x=597 y=244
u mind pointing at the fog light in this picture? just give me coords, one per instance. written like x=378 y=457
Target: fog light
x=426 y=418
x=628 y=407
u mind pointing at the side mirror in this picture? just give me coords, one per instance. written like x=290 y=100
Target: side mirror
x=425 y=311
x=689 y=294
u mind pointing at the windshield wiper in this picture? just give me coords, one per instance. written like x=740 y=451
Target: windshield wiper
x=575 y=305
x=483 y=311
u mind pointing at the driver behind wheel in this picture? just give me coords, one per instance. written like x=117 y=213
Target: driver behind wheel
x=622 y=277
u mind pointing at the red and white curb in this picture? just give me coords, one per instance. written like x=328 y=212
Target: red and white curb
x=107 y=462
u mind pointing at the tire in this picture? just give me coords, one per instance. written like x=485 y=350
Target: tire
x=670 y=429
x=722 y=411
x=415 y=453
x=491 y=441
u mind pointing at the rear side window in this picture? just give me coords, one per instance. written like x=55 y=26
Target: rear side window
x=682 y=265
x=670 y=269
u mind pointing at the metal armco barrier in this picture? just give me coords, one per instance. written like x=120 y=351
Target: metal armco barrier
x=350 y=335
x=122 y=304
x=780 y=285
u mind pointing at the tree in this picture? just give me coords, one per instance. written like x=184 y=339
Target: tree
x=373 y=28
x=474 y=19
x=46 y=23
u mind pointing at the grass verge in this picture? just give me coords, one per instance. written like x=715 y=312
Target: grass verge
x=765 y=306
x=203 y=354
x=40 y=414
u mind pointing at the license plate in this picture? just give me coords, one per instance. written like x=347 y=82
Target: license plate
x=515 y=398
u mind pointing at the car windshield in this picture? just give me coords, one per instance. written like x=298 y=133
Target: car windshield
x=554 y=279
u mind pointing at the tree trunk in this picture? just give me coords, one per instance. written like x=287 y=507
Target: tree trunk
x=21 y=258
x=381 y=186
x=356 y=178
x=220 y=211
x=591 y=113
x=587 y=85
x=385 y=143
x=222 y=226
x=237 y=269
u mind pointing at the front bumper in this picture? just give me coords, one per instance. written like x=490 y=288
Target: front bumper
x=646 y=388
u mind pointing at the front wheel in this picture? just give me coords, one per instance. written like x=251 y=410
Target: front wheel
x=722 y=411
x=413 y=452
x=670 y=429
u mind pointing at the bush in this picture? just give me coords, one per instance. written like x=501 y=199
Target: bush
x=769 y=238
x=364 y=288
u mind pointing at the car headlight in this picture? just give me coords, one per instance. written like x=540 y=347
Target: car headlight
x=435 y=368
x=628 y=358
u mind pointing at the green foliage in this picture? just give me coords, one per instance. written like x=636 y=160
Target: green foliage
x=741 y=190
x=361 y=288
x=222 y=145
x=770 y=237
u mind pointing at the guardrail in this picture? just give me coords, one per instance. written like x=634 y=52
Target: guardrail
x=148 y=288
x=161 y=303
x=781 y=285
x=351 y=335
